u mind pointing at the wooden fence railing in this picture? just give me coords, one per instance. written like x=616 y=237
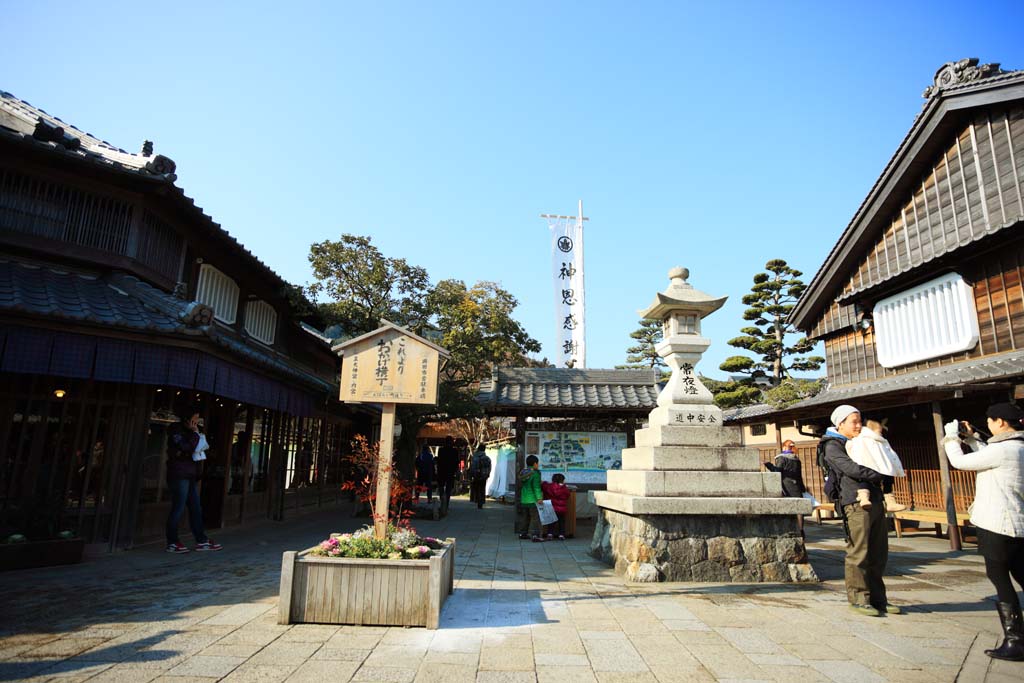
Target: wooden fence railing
x=921 y=489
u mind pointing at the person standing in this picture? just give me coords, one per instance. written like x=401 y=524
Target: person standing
x=788 y=464
x=558 y=493
x=479 y=472
x=530 y=493
x=997 y=511
x=182 y=482
x=867 y=533
x=447 y=468
x=425 y=473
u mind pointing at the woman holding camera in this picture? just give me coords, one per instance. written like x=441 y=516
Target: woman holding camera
x=997 y=511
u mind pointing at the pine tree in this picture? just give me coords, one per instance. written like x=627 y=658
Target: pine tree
x=642 y=355
x=771 y=299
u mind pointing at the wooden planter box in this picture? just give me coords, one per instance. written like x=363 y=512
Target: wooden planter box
x=34 y=554
x=344 y=590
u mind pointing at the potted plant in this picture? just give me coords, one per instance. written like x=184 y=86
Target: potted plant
x=401 y=580
x=385 y=574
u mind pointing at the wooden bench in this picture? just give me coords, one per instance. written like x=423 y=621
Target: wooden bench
x=936 y=517
x=828 y=507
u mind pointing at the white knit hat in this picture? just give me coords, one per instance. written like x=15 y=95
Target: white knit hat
x=841 y=413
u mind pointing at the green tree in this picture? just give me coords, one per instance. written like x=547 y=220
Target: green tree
x=791 y=390
x=362 y=286
x=476 y=324
x=771 y=299
x=733 y=393
x=642 y=354
x=478 y=329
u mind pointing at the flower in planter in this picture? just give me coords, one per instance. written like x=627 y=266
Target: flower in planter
x=404 y=538
x=418 y=552
x=432 y=543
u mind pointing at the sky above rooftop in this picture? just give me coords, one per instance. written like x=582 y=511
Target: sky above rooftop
x=714 y=136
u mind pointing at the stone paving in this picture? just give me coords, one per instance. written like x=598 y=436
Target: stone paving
x=521 y=613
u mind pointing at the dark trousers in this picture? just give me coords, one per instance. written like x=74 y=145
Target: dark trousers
x=444 y=491
x=185 y=493
x=1004 y=556
x=478 y=491
x=425 y=484
x=867 y=552
x=560 y=524
x=528 y=520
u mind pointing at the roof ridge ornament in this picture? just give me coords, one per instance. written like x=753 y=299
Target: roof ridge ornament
x=959 y=73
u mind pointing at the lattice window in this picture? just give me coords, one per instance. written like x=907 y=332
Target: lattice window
x=261 y=321
x=937 y=318
x=758 y=429
x=219 y=292
x=46 y=209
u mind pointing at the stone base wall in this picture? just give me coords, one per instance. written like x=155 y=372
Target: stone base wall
x=707 y=548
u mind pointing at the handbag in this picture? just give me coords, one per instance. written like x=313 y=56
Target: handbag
x=547 y=512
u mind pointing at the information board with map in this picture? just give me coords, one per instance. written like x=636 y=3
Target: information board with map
x=583 y=457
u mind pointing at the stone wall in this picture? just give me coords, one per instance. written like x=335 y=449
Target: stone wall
x=708 y=548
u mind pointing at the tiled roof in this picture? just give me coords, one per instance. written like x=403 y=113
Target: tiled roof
x=570 y=389
x=748 y=412
x=18 y=120
x=21 y=117
x=122 y=301
x=43 y=291
x=1004 y=367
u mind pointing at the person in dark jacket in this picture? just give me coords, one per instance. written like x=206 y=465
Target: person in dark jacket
x=182 y=482
x=425 y=473
x=479 y=472
x=867 y=541
x=447 y=468
x=788 y=464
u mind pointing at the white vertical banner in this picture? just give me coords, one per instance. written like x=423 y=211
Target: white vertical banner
x=567 y=274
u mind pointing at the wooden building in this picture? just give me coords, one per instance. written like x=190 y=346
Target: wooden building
x=920 y=304
x=120 y=300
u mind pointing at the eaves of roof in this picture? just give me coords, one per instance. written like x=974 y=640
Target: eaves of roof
x=121 y=301
x=915 y=387
x=555 y=390
x=947 y=102
x=101 y=154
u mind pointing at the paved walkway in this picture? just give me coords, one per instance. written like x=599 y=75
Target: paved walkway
x=521 y=613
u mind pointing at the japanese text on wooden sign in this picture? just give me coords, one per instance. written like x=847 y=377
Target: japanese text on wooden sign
x=389 y=367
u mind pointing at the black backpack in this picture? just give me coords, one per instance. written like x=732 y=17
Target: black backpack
x=831 y=479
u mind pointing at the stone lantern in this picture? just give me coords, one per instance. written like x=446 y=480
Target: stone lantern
x=680 y=308
x=691 y=502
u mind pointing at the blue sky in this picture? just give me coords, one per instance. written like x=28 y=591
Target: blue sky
x=715 y=136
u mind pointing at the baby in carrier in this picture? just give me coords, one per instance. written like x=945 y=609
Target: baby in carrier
x=872 y=450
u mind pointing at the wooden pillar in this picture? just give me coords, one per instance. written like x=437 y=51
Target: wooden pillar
x=387 y=435
x=631 y=433
x=947 y=488
x=520 y=453
x=250 y=425
x=778 y=435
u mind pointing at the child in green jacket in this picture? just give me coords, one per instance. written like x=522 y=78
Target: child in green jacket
x=529 y=495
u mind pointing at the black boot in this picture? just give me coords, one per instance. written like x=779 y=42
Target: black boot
x=1012 y=648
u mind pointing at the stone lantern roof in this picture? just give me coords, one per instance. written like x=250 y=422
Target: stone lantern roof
x=681 y=296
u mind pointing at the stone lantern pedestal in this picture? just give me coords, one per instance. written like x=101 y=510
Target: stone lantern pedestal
x=690 y=502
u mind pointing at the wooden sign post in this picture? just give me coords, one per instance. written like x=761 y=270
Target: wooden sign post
x=390 y=366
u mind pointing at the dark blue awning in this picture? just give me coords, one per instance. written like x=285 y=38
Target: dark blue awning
x=63 y=354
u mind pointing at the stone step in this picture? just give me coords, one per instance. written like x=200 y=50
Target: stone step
x=696 y=484
x=689 y=458
x=643 y=505
x=710 y=435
